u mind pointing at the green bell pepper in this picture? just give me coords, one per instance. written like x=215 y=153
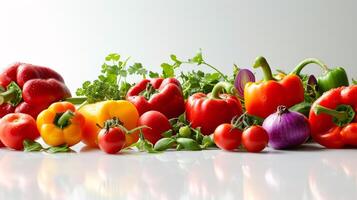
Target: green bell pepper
x=331 y=78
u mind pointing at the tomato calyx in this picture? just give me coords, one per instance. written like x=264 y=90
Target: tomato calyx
x=245 y=121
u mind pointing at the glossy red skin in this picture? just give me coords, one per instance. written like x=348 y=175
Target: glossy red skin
x=255 y=139
x=23 y=72
x=207 y=113
x=15 y=128
x=42 y=92
x=31 y=109
x=227 y=137
x=158 y=124
x=6 y=109
x=111 y=141
x=41 y=86
x=323 y=130
x=169 y=100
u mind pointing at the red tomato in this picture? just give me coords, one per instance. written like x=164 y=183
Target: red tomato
x=158 y=123
x=111 y=141
x=227 y=137
x=255 y=139
x=17 y=127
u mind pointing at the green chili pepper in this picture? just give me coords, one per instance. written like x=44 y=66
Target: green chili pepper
x=331 y=78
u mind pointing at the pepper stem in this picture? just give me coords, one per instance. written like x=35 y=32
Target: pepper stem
x=307 y=61
x=262 y=62
x=223 y=86
x=342 y=115
x=63 y=121
x=7 y=95
x=149 y=91
x=13 y=95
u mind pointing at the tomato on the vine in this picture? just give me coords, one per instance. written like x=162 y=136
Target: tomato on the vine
x=255 y=138
x=227 y=137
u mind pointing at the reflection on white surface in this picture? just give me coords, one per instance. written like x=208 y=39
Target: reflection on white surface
x=309 y=173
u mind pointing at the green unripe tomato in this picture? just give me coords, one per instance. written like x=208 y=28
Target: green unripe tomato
x=185 y=131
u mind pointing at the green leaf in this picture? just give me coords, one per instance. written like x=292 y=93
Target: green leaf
x=31 y=146
x=354 y=82
x=112 y=57
x=164 y=144
x=188 y=144
x=198 y=59
x=212 y=77
x=167 y=134
x=167 y=70
x=138 y=69
x=123 y=73
x=207 y=141
x=174 y=58
x=59 y=149
x=153 y=74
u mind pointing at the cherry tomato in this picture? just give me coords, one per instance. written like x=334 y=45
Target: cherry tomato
x=111 y=141
x=255 y=139
x=158 y=123
x=17 y=127
x=227 y=137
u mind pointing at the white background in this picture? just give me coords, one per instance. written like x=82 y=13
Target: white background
x=74 y=36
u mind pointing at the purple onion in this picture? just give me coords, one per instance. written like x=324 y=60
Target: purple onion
x=244 y=76
x=286 y=129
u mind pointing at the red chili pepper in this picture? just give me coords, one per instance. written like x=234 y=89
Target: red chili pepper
x=209 y=111
x=31 y=88
x=163 y=95
x=333 y=118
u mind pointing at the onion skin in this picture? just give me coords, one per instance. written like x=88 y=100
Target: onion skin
x=244 y=76
x=286 y=129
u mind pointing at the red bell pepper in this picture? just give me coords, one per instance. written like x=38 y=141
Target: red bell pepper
x=31 y=88
x=333 y=118
x=262 y=98
x=163 y=95
x=209 y=111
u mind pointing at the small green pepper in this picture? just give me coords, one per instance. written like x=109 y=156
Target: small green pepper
x=331 y=78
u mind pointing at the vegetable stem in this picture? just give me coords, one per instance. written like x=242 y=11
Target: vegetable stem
x=219 y=87
x=63 y=121
x=262 y=62
x=7 y=95
x=307 y=61
x=338 y=114
x=215 y=69
x=342 y=115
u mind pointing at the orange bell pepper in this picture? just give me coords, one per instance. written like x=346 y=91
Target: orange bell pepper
x=61 y=124
x=98 y=113
x=262 y=98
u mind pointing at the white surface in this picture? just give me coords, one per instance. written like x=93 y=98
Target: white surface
x=306 y=173
x=73 y=37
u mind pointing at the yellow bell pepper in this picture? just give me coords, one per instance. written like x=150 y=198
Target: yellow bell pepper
x=61 y=124
x=96 y=114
